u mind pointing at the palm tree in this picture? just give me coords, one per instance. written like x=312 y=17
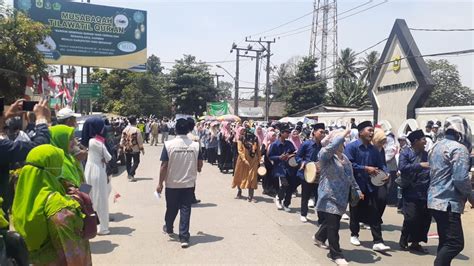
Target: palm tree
x=348 y=66
x=369 y=63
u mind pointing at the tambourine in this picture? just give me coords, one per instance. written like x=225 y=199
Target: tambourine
x=292 y=161
x=312 y=172
x=262 y=171
x=378 y=179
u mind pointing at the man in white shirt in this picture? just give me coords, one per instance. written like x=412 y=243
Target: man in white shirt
x=181 y=161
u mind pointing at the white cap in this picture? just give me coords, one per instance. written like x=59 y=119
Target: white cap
x=66 y=113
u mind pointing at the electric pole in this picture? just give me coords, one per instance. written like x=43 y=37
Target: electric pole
x=217 y=82
x=238 y=55
x=257 y=74
x=267 y=85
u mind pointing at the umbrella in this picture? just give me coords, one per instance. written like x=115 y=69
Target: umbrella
x=230 y=118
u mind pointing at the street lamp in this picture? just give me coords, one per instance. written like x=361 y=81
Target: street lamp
x=219 y=66
x=236 y=89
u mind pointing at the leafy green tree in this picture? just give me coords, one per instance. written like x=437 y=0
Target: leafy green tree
x=19 y=57
x=448 y=90
x=191 y=86
x=348 y=65
x=225 y=90
x=307 y=90
x=153 y=65
x=369 y=63
x=349 y=92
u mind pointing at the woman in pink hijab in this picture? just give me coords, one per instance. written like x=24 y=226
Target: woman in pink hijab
x=260 y=135
x=225 y=142
x=270 y=185
x=295 y=139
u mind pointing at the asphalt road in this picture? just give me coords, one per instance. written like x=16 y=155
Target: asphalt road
x=229 y=231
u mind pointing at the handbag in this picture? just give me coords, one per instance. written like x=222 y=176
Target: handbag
x=91 y=219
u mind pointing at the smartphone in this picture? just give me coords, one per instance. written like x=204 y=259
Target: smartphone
x=2 y=104
x=29 y=105
x=85 y=188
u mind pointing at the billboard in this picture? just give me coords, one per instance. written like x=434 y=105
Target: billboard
x=89 y=35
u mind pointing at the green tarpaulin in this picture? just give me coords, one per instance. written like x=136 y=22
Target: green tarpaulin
x=218 y=108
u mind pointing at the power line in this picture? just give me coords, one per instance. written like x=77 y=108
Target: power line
x=460 y=52
x=416 y=29
x=305 y=28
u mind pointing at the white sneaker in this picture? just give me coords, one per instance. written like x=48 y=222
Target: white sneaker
x=345 y=217
x=355 y=241
x=319 y=243
x=287 y=209
x=303 y=219
x=311 y=203
x=380 y=247
x=278 y=204
x=341 y=262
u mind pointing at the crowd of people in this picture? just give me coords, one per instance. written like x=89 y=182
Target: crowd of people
x=425 y=173
x=56 y=189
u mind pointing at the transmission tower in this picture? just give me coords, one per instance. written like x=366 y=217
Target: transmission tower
x=323 y=41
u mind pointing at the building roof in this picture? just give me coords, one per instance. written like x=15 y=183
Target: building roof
x=325 y=108
x=277 y=108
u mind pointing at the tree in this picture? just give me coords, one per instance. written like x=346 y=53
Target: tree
x=369 y=63
x=448 y=90
x=19 y=57
x=191 y=86
x=308 y=90
x=153 y=65
x=349 y=92
x=348 y=66
x=225 y=90
x=284 y=78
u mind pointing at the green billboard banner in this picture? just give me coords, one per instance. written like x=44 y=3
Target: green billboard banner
x=88 y=91
x=218 y=108
x=89 y=35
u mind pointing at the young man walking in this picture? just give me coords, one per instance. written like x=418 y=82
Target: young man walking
x=180 y=163
x=132 y=144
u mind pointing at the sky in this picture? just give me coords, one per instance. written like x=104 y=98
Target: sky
x=207 y=29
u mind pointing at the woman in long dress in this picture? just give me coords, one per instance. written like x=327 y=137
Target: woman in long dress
x=248 y=160
x=95 y=170
x=225 y=147
x=49 y=221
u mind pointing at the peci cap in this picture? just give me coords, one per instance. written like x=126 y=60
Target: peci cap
x=416 y=135
x=319 y=126
x=363 y=125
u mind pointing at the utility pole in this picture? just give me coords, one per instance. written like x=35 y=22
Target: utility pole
x=238 y=55
x=257 y=74
x=217 y=81
x=236 y=89
x=267 y=85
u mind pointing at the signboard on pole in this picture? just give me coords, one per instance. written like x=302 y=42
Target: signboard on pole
x=89 y=91
x=89 y=35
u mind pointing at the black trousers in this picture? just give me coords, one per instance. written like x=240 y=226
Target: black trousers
x=417 y=220
x=179 y=200
x=285 y=191
x=132 y=167
x=451 y=237
x=307 y=191
x=329 y=229
x=367 y=211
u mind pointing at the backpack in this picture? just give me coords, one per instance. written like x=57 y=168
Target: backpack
x=129 y=140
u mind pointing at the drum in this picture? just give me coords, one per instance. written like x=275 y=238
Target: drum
x=262 y=171
x=311 y=172
x=292 y=161
x=378 y=179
